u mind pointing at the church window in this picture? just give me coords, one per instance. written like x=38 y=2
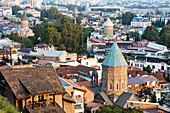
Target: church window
x=117 y=86
x=110 y=85
x=105 y=84
x=122 y=85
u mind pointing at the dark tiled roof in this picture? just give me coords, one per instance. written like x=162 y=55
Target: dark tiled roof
x=36 y=80
x=24 y=17
x=67 y=97
x=123 y=98
x=84 y=69
x=25 y=50
x=106 y=98
x=52 y=109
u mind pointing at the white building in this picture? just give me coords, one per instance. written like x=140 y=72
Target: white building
x=5 y=11
x=35 y=13
x=140 y=22
x=35 y=3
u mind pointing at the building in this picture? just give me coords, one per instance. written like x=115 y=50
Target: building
x=106 y=8
x=114 y=74
x=54 y=55
x=33 y=90
x=43 y=47
x=87 y=6
x=24 y=31
x=5 y=11
x=33 y=12
x=108 y=27
x=35 y=3
x=76 y=92
x=140 y=22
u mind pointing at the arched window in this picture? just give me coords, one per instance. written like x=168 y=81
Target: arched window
x=117 y=86
x=105 y=84
x=122 y=85
x=111 y=84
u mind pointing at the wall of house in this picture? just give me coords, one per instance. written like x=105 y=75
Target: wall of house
x=69 y=107
x=142 y=105
x=89 y=95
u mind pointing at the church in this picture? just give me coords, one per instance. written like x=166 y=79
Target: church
x=24 y=30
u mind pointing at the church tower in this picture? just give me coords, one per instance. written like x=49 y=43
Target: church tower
x=114 y=76
x=24 y=21
x=108 y=27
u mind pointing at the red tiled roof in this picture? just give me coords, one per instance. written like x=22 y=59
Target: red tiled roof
x=85 y=83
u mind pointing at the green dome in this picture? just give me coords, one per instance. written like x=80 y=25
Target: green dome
x=114 y=58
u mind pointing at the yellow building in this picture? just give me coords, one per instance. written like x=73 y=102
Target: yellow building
x=35 y=90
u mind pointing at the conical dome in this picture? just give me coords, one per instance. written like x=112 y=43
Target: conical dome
x=24 y=17
x=114 y=58
x=108 y=22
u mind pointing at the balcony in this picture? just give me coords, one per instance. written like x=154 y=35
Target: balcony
x=41 y=104
x=78 y=106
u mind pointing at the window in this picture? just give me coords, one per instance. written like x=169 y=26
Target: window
x=111 y=85
x=162 y=68
x=72 y=93
x=86 y=63
x=168 y=68
x=117 y=86
x=105 y=84
x=122 y=85
x=153 y=67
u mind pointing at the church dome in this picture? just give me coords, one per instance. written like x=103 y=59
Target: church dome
x=108 y=22
x=24 y=17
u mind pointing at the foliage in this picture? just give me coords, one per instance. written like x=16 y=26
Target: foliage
x=159 y=23
x=87 y=32
x=117 y=109
x=127 y=18
x=145 y=91
x=5 y=106
x=165 y=36
x=72 y=7
x=134 y=34
x=126 y=58
x=15 y=9
x=38 y=9
x=150 y=33
x=29 y=15
x=153 y=98
x=147 y=69
x=158 y=12
x=78 y=20
x=101 y=60
x=26 y=42
x=6 y=18
x=61 y=33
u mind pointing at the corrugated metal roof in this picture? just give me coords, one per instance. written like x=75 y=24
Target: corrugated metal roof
x=156 y=46
x=51 y=53
x=114 y=58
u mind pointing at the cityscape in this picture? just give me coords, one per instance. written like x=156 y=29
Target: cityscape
x=84 y=56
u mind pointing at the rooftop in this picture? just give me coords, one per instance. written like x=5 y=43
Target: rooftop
x=114 y=58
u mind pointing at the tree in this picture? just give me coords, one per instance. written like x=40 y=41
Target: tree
x=15 y=9
x=26 y=43
x=134 y=34
x=147 y=69
x=52 y=12
x=145 y=91
x=5 y=106
x=87 y=32
x=117 y=109
x=62 y=47
x=78 y=20
x=127 y=18
x=165 y=36
x=158 y=12
x=6 y=18
x=151 y=34
x=153 y=98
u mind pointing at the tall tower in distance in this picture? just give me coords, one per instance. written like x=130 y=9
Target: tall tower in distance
x=87 y=6
x=24 y=21
x=114 y=76
x=108 y=27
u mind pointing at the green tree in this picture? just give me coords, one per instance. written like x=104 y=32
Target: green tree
x=134 y=34
x=29 y=15
x=165 y=36
x=26 y=43
x=52 y=12
x=147 y=69
x=87 y=32
x=78 y=20
x=151 y=34
x=15 y=9
x=62 y=47
x=5 y=106
x=153 y=98
x=127 y=18
x=6 y=18
x=117 y=109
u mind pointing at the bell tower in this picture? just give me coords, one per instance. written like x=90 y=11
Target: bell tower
x=114 y=76
x=24 y=21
